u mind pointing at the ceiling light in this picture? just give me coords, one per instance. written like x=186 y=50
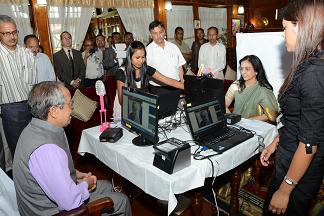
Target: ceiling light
x=240 y=9
x=168 y=5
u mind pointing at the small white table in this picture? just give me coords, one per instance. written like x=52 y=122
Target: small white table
x=136 y=163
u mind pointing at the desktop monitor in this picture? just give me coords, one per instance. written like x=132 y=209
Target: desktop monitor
x=199 y=90
x=168 y=100
x=139 y=113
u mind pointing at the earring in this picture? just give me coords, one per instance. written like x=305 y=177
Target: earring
x=256 y=73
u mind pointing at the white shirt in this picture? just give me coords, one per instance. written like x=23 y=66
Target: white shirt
x=17 y=74
x=166 y=60
x=44 y=68
x=213 y=58
x=66 y=50
x=94 y=69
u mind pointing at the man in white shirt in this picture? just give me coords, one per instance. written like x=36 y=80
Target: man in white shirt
x=162 y=55
x=212 y=55
x=44 y=67
x=93 y=61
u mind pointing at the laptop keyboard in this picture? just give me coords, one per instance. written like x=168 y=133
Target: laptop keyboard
x=215 y=140
x=229 y=139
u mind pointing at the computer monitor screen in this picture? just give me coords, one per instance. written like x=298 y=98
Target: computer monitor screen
x=200 y=90
x=139 y=113
x=168 y=100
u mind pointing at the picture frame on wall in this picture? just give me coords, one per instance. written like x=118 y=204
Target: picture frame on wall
x=236 y=25
x=196 y=24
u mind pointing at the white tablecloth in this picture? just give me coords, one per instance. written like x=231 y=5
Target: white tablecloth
x=136 y=163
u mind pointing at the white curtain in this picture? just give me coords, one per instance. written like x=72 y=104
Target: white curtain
x=181 y=16
x=20 y=13
x=75 y=20
x=137 y=20
x=213 y=17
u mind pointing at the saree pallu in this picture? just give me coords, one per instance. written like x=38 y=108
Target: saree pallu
x=254 y=101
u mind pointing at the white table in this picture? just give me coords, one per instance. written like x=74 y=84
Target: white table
x=136 y=163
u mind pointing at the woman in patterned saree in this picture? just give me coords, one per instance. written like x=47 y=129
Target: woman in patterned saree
x=252 y=93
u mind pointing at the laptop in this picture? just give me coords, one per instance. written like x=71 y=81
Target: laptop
x=168 y=100
x=207 y=125
x=202 y=89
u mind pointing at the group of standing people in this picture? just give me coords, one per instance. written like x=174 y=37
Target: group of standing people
x=207 y=54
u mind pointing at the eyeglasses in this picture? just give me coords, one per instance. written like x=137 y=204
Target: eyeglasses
x=8 y=34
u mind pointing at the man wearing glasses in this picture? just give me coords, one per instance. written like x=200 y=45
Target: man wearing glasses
x=17 y=75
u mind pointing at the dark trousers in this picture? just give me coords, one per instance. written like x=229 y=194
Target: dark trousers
x=15 y=117
x=90 y=82
x=302 y=195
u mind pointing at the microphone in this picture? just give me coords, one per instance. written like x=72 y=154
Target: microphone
x=101 y=91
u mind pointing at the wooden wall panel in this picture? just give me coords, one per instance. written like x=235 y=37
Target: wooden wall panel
x=41 y=25
x=159 y=12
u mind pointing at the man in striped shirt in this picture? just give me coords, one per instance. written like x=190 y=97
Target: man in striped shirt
x=17 y=75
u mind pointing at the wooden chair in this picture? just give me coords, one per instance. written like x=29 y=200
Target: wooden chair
x=93 y=208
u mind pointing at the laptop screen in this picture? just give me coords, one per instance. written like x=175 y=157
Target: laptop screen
x=199 y=90
x=205 y=119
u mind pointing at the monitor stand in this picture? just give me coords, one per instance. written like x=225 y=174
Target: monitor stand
x=142 y=141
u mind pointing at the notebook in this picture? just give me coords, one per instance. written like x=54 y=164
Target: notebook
x=207 y=125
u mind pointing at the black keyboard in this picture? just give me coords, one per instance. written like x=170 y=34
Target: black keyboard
x=228 y=133
x=229 y=139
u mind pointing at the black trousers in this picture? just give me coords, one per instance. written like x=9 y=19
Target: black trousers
x=307 y=188
x=15 y=117
x=90 y=82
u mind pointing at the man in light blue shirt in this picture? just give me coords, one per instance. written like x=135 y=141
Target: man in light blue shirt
x=44 y=67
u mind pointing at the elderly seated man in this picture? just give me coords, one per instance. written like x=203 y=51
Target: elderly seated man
x=43 y=172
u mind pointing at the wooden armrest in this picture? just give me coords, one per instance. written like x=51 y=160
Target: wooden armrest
x=80 y=211
x=95 y=207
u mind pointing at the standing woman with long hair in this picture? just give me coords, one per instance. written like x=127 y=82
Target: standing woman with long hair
x=299 y=159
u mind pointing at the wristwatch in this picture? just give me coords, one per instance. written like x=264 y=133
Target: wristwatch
x=289 y=181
